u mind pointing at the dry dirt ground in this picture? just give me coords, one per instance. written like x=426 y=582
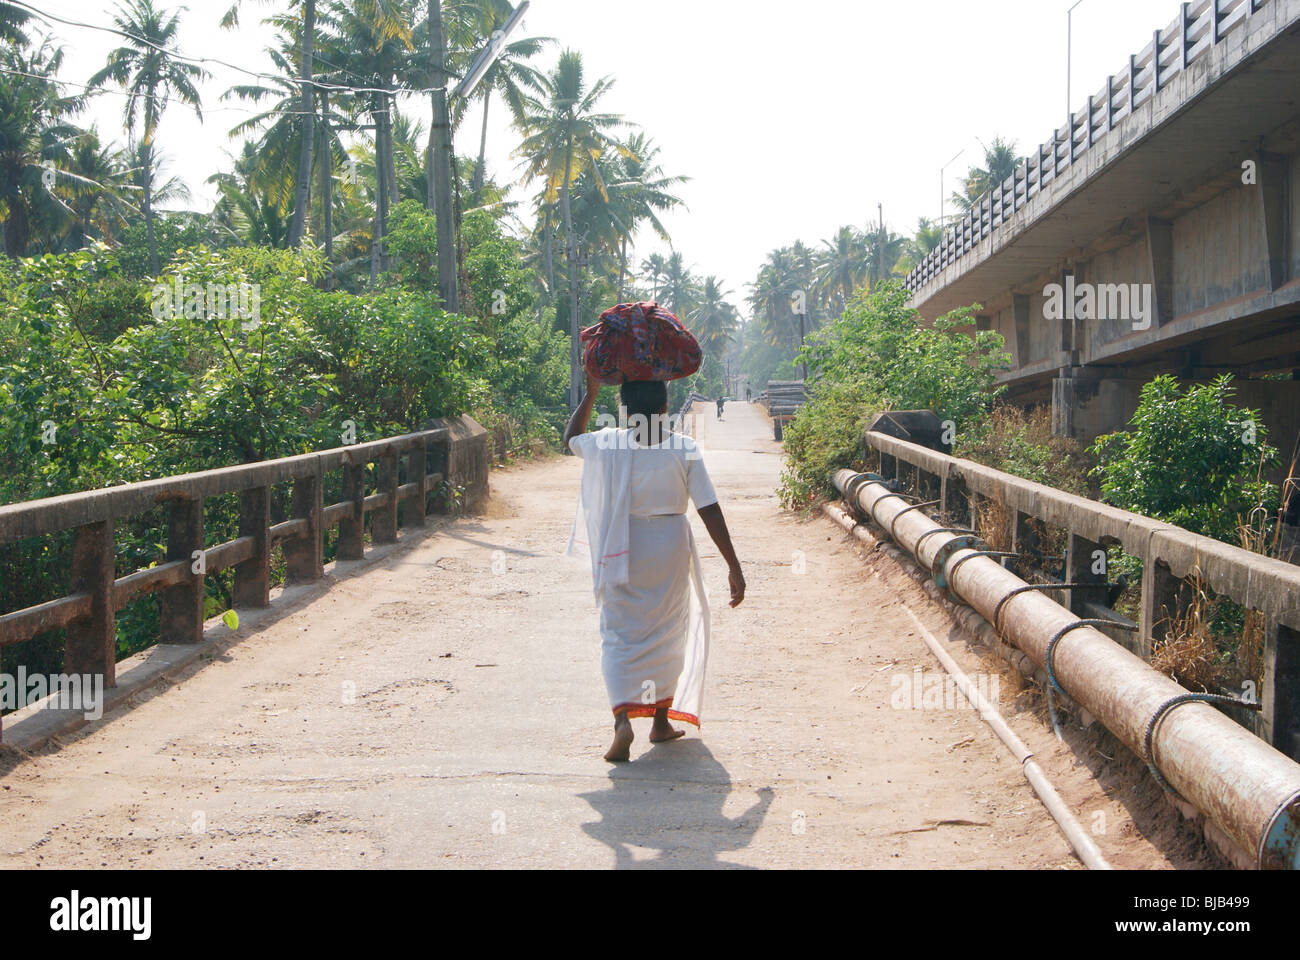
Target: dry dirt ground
x=443 y=707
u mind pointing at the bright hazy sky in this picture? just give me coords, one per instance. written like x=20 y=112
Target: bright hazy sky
x=791 y=118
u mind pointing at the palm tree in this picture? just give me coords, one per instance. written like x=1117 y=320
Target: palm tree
x=654 y=267
x=12 y=20
x=1000 y=162
x=928 y=236
x=884 y=251
x=246 y=207
x=34 y=132
x=101 y=195
x=373 y=43
x=305 y=111
x=681 y=289
x=563 y=136
x=649 y=192
x=636 y=191
x=770 y=299
x=151 y=76
x=276 y=127
x=842 y=266
x=714 y=320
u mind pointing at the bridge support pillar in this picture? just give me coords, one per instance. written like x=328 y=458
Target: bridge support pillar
x=955 y=497
x=1083 y=560
x=1024 y=537
x=1085 y=405
x=1164 y=598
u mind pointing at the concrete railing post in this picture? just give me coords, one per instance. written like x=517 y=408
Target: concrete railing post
x=352 y=530
x=1081 y=564
x=415 y=510
x=182 y=605
x=304 y=556
x=91 y=645
x=1280 y=697
x=440 y=463
x=253 y=576
x=383 y=529
x=1164 y=598
x=955 y=496
x=1024 y=537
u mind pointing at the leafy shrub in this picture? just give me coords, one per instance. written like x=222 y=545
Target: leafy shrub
x=1022 y=444
x=878 y=356
x=882 y=342
x=826 y=436
x=1190 y=458
x=137 y=391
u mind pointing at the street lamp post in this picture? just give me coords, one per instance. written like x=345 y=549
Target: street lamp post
x=440 y=147
x=1069 y=71
x=943 y=197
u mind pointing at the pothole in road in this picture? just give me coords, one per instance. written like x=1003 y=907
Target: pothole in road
x=413 y=693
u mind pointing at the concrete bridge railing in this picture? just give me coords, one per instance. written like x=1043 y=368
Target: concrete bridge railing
x=443 y=468
x=1199 y=27
x=1171 y=558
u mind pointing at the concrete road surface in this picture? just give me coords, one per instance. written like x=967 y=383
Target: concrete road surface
x=442 y=706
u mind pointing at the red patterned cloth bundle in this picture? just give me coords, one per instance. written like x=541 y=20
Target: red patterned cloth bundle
x=639 y=341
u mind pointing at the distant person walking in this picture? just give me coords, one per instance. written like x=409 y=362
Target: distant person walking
x=722 y=402
x=654 y=613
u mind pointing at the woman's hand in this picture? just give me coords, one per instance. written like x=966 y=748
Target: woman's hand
x=717 y=527
x=736 y=580
x=593 y=386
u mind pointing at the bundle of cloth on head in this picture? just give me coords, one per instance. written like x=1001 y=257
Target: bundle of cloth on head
x=639 y=341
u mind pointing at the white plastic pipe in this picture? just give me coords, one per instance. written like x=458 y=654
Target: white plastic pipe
x=1077 y=837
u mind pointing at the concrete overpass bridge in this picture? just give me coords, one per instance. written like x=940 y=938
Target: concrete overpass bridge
x=1176 y=182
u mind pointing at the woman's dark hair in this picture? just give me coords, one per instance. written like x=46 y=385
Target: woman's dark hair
x=644 y=397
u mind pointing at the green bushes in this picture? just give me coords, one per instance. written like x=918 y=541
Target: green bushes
x=878 y=356
x=1192 y=459
x=880 y=342
x=826 y=436
x=236 y=355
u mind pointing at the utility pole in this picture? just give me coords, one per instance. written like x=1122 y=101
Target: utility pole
x=440 y=147
x=303 y=184
x=440 y=172
x=880 y=245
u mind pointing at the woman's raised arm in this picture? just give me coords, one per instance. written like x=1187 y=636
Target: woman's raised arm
x=581 y=418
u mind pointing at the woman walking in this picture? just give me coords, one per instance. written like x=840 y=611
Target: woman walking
x=654 y=613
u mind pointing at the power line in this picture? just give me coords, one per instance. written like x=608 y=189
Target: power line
x=207 y=60
x=163 y=99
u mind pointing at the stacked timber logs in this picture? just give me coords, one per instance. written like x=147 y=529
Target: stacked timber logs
x=783 y=399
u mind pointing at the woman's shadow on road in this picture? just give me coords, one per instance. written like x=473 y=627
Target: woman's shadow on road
x=665 y=810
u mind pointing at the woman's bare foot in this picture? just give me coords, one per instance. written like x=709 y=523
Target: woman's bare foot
x=663 y=731
x=621 y=750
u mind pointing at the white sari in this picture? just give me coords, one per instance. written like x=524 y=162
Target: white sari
x=654 y=610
